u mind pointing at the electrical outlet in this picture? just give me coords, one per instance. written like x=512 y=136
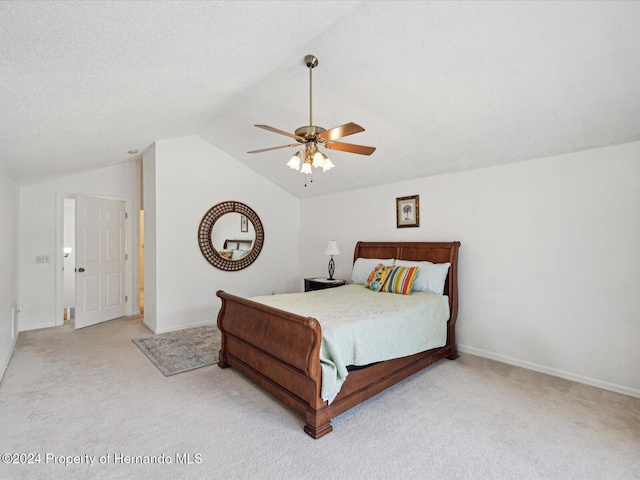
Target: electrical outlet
x=43 y=259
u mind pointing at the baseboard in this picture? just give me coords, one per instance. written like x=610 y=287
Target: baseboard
x=536 y=367
x=7 y=359
x=183 y=327
x=38 y=326
x=149 y=325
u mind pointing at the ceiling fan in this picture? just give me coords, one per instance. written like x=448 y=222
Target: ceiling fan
x=310 y=137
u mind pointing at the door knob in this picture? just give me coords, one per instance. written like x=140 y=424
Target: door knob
x=81 y=269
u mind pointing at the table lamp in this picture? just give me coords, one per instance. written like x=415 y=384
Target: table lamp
x=332 y=249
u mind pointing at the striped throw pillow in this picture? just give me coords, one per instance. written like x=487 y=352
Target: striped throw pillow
x=400 y=280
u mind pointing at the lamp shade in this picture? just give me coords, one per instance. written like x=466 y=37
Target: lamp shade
x=332 y=248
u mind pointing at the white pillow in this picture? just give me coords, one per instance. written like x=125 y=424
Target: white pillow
x=364 y=266
x=431 y=276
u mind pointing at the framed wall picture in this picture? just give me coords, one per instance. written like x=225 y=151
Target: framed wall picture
x=408 y=211
x=244 y=224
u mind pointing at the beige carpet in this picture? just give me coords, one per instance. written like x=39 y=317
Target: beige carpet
x=91 y=393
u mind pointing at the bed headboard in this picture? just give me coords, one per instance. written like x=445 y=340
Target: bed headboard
x=228 y=244
x=434 y=252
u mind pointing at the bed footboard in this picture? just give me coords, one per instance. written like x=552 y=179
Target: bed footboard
x=277 y=350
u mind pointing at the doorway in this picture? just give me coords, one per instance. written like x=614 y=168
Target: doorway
x=65 y=300
x=69 y=259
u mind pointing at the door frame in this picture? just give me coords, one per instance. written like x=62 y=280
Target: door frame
x=132 y=226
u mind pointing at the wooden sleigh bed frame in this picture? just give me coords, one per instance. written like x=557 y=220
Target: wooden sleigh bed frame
x=280 y=351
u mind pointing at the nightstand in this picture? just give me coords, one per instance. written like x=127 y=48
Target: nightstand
x=320 y=283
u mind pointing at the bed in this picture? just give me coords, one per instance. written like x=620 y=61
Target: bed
x=235 y=249
x=280 y=351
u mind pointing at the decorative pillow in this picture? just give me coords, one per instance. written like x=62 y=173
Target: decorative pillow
x=363 y=266
x=225 y=254
x=400 y=280
x=431 y=276
x=377 y=277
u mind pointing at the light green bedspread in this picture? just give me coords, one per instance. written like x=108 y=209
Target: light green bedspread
x=360 y=327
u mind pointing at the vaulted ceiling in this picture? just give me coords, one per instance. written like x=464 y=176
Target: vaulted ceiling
x=439 y=86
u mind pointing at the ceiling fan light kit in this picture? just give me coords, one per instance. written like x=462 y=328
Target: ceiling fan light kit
x=311 y=137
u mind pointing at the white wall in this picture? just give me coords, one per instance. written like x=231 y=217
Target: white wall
x=41 y=212
x=549 y=268
x=8 y=254
x=191 y=176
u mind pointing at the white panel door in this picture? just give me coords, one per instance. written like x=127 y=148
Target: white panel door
x=100 y=260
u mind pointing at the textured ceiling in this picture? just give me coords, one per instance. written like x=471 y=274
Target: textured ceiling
x=439 y=86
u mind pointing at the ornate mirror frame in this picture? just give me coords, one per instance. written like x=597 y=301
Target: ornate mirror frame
x=205 y=231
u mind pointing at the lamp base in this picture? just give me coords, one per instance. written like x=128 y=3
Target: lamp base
x=332 y=268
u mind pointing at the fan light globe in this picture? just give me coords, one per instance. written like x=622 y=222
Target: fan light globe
x=294 y=163
x=306 y=168
x=318 y=159
x=327 y=165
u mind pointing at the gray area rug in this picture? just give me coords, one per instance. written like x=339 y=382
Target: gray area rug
x=181 y=351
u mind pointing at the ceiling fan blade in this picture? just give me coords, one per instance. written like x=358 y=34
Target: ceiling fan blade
x=281 y=132
x=274 y=148
x=341 y=131
x=348 y=147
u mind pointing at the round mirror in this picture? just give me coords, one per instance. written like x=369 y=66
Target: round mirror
x=230 y=236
